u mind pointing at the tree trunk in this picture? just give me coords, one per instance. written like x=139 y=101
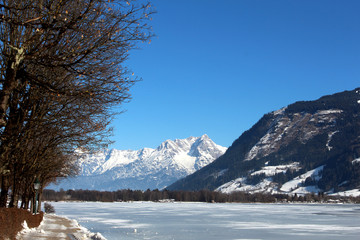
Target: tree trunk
x=25 y=199
x=4 y=191
x=32 y=206
x=14 y=195
x=39 y=201
x=26 y=202
x=8 y=88
x=14 y=199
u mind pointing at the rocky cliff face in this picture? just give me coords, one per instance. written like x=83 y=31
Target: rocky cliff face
x=305 y=147
x=143 y=169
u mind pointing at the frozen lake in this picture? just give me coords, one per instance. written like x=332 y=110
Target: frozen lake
x=197 y=221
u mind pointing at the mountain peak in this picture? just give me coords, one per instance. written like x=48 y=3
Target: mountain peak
x=184 y=144
x=205 y=136
x=144 y=168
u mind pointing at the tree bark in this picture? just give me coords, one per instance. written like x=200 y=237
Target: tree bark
x=8 y=87
x=39 y=201
x=4 y=191
x=14 y=195
x=32 y=206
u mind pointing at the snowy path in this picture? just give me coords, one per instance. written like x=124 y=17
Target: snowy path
x=54 y=227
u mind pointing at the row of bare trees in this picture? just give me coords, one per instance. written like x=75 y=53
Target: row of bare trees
x=62 y=75
x=188 y=196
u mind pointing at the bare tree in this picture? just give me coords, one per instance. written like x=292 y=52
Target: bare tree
x=62 y=72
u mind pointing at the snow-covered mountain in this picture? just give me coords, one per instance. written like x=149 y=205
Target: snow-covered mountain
x=143 y=169
x=308 y=146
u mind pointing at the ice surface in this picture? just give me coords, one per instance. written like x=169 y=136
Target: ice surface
x=200 y=221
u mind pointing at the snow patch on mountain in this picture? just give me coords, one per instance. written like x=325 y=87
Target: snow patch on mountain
x=357 y=160
x=273 y=170
x=240 y=185
x=266 y=185
x=143 y=169
x=330 y=135
x=297 y=182
x=353 y=192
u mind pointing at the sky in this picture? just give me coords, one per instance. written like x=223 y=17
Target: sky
x=216 y=67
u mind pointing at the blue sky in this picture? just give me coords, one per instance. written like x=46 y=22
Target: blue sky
x=216 y=67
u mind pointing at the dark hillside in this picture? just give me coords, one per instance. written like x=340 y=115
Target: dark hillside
x=324 y=132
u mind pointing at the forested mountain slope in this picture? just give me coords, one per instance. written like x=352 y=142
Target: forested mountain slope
x=308 y=146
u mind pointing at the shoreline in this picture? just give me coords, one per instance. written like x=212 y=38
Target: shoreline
x=58 y=227
x=193 y=196
x=175 y=202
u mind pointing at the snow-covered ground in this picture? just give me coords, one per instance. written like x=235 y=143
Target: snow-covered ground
x=239 y=184
x=357 y=160
x=55 y=227
x=273 y=170
x=353 y=193
x=294 y=185
x=163 y=221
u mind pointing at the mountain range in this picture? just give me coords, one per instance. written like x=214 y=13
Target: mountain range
x=308 y=146
x=142 y=169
